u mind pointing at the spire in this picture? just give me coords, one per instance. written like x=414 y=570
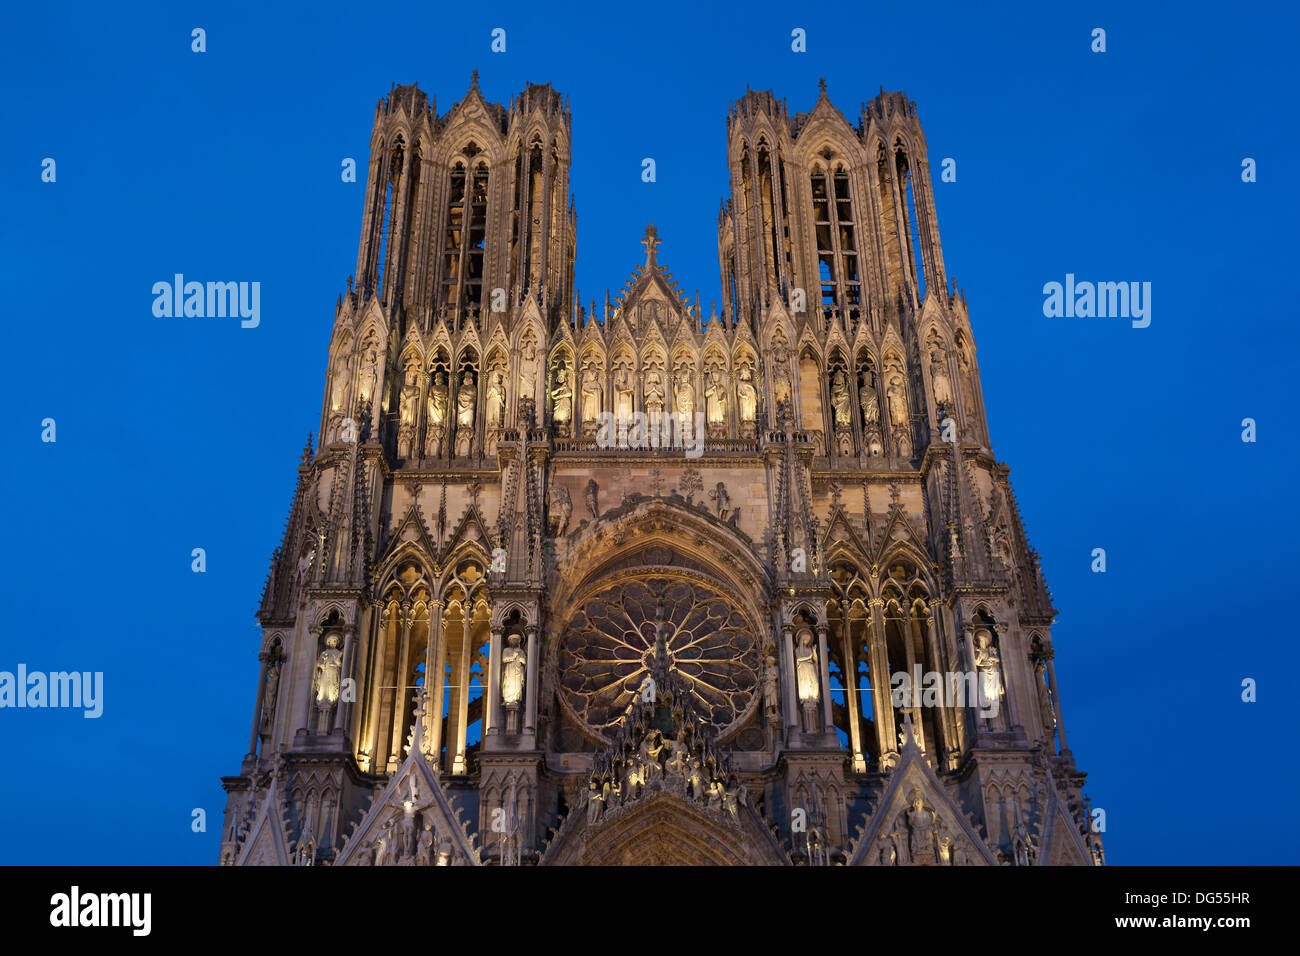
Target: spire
x=473 y=81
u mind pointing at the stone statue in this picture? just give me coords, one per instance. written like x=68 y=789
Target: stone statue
x=622 y=393
x=561 y=508
x=424 y=851
x=780 y=376
x=939 y=376
x=596 y=796
x=840 y=400
x=465 y=401
x=684 y=393
x=723 y=501
x=339 y=394
x=920 y=821
x=806 y=667
x=270 y=695
x=870 y=405
x=496 y=398
x=771 y=694
x=369 y=374
x=592 y=490
x=562 y=396
x=715 y=398
x=437 y=416
x=591 y=389
x=747 y=395
x=329 y=669
x=408 y=409
x=527 y=373
x=409 y=399
x=989 y=664
x=897 y=402
x=513 y=666
x=654 y=392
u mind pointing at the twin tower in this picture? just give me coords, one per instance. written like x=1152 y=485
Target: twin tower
x=816 y=633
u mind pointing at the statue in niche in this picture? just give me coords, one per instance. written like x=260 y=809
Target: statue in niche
x=496 y=398
x=622 y=393
x=369 y=373
x=591 y=389
x=597 y=794
x=939 y=376
x=562 y=395
x=513 y=664
x=771 y=695
x=592 y=490
x=967 y=385
x=424 y=851
x=339 y=394
x=920 y=821
x=465 y=398
x=897 y=402
x=684 y=393
x=1045 y=711
x=780 y=376
x=408 y=408
x=654 y=392
x=715 y=398
x=989 y=663
x=840 y=399
x=868 y=401
x=437 y=414
x=327 y=678
x=528 y=373
x=806 y=667
x=561 y=508
x=270 y=694
x=747 y=396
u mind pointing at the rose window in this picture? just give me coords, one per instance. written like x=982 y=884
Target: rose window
x=607 y=648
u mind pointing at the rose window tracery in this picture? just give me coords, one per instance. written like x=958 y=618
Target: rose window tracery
x=606 y=650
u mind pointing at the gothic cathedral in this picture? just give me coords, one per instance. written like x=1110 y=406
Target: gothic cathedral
x=628 y=582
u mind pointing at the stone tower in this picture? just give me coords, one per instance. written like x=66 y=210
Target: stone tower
x=633 y=583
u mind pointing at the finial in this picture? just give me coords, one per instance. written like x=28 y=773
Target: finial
x=473 y=80
x=821 y=86
x=651 y=243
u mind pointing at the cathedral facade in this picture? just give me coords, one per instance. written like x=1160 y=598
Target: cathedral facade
x=626 y=582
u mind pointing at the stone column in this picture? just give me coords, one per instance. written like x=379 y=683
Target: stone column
x=398 y=738
x=828 y=714
x=880 y=686
x=344 y=709
x=530 y=688
x=851 y=688
x=1008 y=691
x=265 y=658
x=940 y=662
x=315 y=632
x=435 y=678
x=492 y=722
x=461 y=674
x=1056 y=702
x=792 y=709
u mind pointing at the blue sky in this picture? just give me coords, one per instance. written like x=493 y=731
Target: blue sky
x=176 y=434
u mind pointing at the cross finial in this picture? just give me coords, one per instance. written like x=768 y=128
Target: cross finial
x=651 y=243
x=821 y=86
x=473 y=80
